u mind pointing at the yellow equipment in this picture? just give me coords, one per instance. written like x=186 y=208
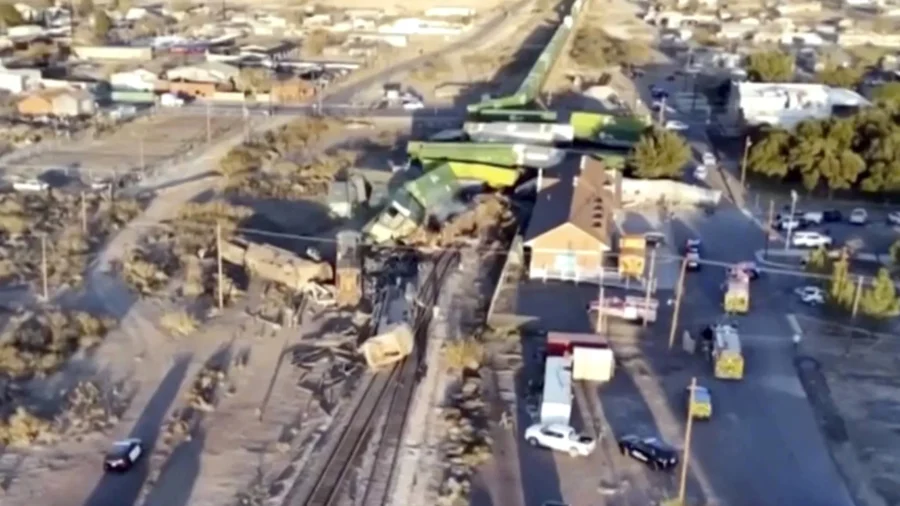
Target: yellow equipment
x=737 y=292
x=701 y=407
x=632 y=255
x=728 y=360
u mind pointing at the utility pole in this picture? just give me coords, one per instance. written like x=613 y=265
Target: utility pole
x=747 y=145
x=856 y=296
x=247 y=127
x=83 y=214
x=770 y=226
x=792 y=221
x=220 y=289
x=686 y=455
x=141 y=155
x=679 y=292
x=46 y=291
x=651 y=281
x=208 y=122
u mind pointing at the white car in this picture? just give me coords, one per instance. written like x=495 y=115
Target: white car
x=806 y=239
x=709 y=158
x=30 y=185
x=813 y=217
x=411 y=106
x=677 y=126
x=701 y=172
x=893 y=217
x=812 y=295
x=789 y=223
x=859 y=216
x=560 y=438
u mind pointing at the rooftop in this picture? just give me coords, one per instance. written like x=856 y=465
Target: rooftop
x=803 y=92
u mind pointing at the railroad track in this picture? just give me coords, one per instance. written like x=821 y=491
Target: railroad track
x=392 y=389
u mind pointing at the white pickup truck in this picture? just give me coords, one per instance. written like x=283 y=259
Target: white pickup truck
x=560 y=438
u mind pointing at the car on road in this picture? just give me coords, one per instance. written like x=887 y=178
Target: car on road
x=812 y=295
x=561 y=438
x=655 y=239
x=893 y=217
x=123 y=455
x=693 y=260
x=810 y=239
x=749 y=268
x=701 y=173
x=30 y=185
x=676 y=126
x=701 y=407
x=859 y=216
x=692 y=245
x=650 y=450
x=709 y=159
x=413 y=105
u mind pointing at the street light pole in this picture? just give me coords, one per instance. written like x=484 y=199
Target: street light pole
x=744 y=163
x=790 y=230
x=686 y=457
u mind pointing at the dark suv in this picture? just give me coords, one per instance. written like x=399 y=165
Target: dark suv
x=651 y=451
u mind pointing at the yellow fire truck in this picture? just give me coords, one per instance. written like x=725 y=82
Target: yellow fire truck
x=728 y=360
x=737 y=292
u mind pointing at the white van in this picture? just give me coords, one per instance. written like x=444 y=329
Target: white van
x=808 y=239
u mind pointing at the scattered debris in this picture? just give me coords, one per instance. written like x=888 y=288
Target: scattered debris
x=180 y=323
x=468 y=443
x=462 y=354
x=491 y=214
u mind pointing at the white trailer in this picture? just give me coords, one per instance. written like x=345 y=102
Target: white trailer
x=556 y=403
x=630 y=307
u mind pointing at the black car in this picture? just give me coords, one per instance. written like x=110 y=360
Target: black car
x=832 y=216
x=651 y=451
x=123 y=455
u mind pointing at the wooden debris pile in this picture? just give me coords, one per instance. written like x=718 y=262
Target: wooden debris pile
x=488 y=218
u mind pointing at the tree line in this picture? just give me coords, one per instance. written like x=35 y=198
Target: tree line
x=877 y=299
x=861 y=151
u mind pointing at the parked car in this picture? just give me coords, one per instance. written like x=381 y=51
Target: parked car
x=701 y=173
x=812 y=295
x=809 y=239
x=709 y=158
x=692 y=245
x=893 y=217
x=832 y=216
x=30 y=185
x=561 y=438
x=123 y=455
x=676 y=126
x=413 y=105
x=859 y=216
x=813 y=217
x=655 y=239
x=651 y=451
x=788 y=223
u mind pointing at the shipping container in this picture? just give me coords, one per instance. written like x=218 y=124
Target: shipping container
x=504 y=131
x=556 y=403
x=592 y=363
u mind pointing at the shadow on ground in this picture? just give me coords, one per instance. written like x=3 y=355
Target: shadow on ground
x=124 y=489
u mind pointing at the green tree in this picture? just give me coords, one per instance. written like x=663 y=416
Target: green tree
x=880 y=299
x=818 y=261
x=823 y=150
x=9 y=16
x=768 y=156
x=659 y=153
x=85 y=8
x=840 y=76
x=102 y=24
x=771 y=67
x=894 y=252
x=888 y=94
x=883 y=159
x=841 y=290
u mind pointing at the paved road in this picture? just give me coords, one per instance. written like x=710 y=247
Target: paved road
x=764 y=446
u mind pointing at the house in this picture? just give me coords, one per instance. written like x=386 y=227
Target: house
x=113 y=53
x=276 y=51
x=571 y=225
x=291 y=91
x=786 y=104
x=29 y=13
x=137 y=80
x=18 y=80
x=192 y=89
x=57 y=102
x=214 y=72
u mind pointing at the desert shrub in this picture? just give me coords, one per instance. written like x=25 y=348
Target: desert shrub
x=23 y=428
x=463 y=354
x=180 y=323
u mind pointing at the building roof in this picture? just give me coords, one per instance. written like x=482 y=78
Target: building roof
x=223 y=70
x=579 y=195
x=50 y=94
x=801 y=93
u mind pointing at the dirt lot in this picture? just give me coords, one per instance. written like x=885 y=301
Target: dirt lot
x=162 y=136
x=854 y=387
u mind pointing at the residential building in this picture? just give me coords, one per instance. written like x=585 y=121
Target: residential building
x=19 y=80
x=786 y=104
x=57 y=102
x=571 y=225
x=113 y=53
x=137 y=80
x=24 y=32
x=214 y=72
x=786 y=9
x=291 y=91
x=861 y=38
x=29 y=13
x=192 y=89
